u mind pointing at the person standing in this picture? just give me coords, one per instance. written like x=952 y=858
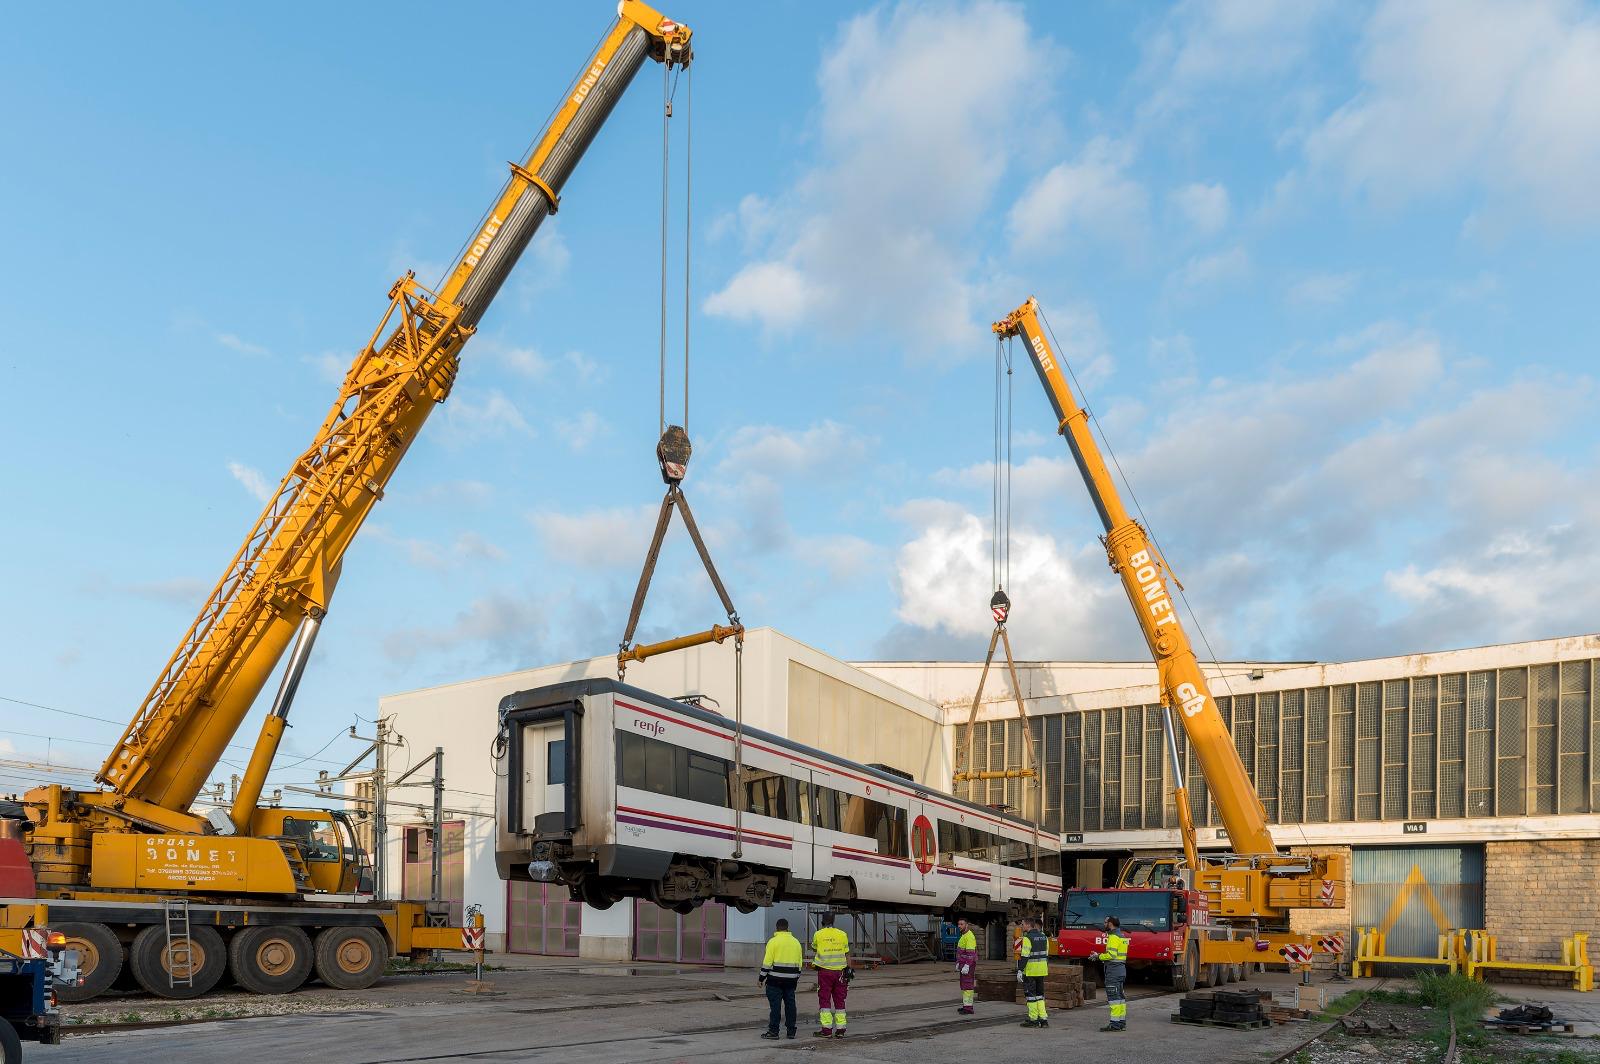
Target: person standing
x=967 y=965
x=831 y=949
x=1033 y=964
x=1115 y=960
x=780 y=974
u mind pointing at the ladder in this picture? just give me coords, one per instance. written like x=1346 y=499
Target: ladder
x=180 y=950
x=910 y=944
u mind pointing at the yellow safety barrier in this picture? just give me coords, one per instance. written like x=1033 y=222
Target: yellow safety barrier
x=1372 y=947
x=1483 y=953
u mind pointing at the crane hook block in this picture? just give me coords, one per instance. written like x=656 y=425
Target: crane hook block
x=673 y=454
x=1000 y=606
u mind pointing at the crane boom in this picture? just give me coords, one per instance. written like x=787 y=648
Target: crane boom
x=282 y=577
x=1143 y=572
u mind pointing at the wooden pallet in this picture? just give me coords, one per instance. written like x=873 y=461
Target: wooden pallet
x=1248 y=1025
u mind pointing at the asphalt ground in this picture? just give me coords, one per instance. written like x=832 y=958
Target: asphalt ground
x=548 y=1010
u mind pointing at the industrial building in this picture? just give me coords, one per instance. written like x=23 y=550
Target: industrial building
x=1462 y=783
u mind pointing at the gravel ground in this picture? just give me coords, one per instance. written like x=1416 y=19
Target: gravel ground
x=1415 y=1047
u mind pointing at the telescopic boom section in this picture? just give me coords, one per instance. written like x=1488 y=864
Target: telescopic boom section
x=1134 y=558
x=286 y=570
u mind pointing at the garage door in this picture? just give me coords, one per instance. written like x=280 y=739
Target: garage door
x=693 y=938
x=1415 y=893
x=542 y=919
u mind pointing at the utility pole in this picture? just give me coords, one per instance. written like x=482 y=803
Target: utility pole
x=379 y=748
x=436 y=884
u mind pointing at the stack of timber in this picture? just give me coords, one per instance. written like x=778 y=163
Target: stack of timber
x=1239 y=1009
x=1064 y=987
x=997 y=981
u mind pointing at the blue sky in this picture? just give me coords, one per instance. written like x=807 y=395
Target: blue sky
x=1326 y=271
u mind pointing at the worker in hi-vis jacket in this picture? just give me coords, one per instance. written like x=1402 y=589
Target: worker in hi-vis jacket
x=832 y=961
x=1033 y=964
x=780 y=975
x=967 y=965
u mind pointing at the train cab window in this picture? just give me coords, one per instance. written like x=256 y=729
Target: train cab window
x=555 y=765
x=707 y=779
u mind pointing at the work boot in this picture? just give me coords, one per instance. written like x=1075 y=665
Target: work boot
x=769 y=1034
x=838 y=1032
x=791 y=1033
x=1029 y=1023
x=1042 y=1023
x=822 y=1032
x=966 y=1010
x=1108 y=1027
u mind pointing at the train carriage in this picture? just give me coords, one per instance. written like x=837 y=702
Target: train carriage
x=617 y=792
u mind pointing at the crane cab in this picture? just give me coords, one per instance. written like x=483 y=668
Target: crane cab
x=330 y=855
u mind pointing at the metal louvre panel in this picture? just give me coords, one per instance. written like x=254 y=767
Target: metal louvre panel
x=1225 y=708
x=1111 y=766
x=1244 y=732
x=1050 y=728
x=1132 y=766
x=1594 y=734
x=1291 y=758
x=1199 y=796
x=1395 y=796
x=1480 y=744
x=1157 y=797
x=1342 y=754
x=1317 y=755
x=996 y=789
x=1369 y=735
x=532 y=208
x=1511 y=743
x=1072 y=778
x=1574 y=737
x=1452 y=799
x=1542 y=739
x=1423 y=759
x=1266 y=752
x=1093 y=770
x=1013 y=789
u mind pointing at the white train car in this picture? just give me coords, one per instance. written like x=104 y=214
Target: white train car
x=616 y=792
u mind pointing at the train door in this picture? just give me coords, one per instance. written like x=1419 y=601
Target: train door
x=822 y=816
x=924 y=848
x=802 y=856
x=544 y=770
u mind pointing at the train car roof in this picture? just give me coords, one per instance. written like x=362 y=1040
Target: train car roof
x=571 y=690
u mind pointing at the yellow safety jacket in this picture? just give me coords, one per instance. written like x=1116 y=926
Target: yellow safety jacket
x=967 y=941
x=1033 y=956
x=783 y=959
x=832 y=948
x=1116 y=948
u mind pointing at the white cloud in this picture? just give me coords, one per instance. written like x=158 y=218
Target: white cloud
x=507 y=626
x=1091 y=196
x=1204 y=207
x=1201 y=45
x=493 y=416
x=331 y=366
x=1322 y=289
x=586 y=370
x=1474 y=94
x=597 y=539
x=879 y=232
x=524 y=361
x=582 y=429
x=760 y=462
x=1210 y=271
x=243 y=347
x=252 y=480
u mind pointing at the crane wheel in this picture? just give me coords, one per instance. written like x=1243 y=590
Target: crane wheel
x=10 y=1044
x=351 y=958
x=100 y=959
x=270 y=960
x=152 y=960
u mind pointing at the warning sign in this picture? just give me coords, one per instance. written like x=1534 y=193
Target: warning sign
x=924 y=843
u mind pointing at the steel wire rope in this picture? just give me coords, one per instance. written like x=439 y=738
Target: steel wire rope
x=1138 y=508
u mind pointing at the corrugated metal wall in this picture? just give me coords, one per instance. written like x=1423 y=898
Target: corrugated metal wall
x=1437 y=888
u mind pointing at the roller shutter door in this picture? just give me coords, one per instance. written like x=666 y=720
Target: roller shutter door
x=1416 y=892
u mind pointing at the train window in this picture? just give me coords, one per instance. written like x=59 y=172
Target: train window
x=1016 y=854
x=707 y=780
x=769 y=794
x=829 y=809
x=647 y=764
x=863 y=816
x=555 y=766
x=802 y=807
x=891 y=832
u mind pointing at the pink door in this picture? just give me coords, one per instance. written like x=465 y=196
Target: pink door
x=542 y=919
x=691 y=938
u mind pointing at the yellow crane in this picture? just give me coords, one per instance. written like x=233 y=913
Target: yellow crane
x=1254 y=887
x=127 y=864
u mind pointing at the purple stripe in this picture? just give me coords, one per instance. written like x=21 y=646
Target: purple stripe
x=867 y=860
x=963 y=875
x=687 y=830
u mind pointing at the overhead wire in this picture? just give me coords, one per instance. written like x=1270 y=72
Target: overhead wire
x=1138 y=507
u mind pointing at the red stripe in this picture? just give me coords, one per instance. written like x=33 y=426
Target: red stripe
x=870 y=858
x=705 y=823
x=834 y=769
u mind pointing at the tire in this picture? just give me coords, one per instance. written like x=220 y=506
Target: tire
x=150 y=959
x=1186 y=976
x=270 y=960
x=100 y=960
x=1210 y=975
x=351 y=958
x=595 y=895
x=10 y=1044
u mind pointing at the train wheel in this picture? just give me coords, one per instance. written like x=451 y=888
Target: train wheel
x=270 y=960
x=686 y=907
x=746 y=907
x=351 y=958
x=595 y=896
x=151 y=958
x=100 y=959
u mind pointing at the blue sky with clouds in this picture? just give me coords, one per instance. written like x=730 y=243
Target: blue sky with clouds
x=1326 y=271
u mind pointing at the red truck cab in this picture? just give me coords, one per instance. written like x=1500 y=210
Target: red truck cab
x=1158 y=922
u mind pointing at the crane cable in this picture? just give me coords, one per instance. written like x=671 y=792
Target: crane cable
x=673 y=451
